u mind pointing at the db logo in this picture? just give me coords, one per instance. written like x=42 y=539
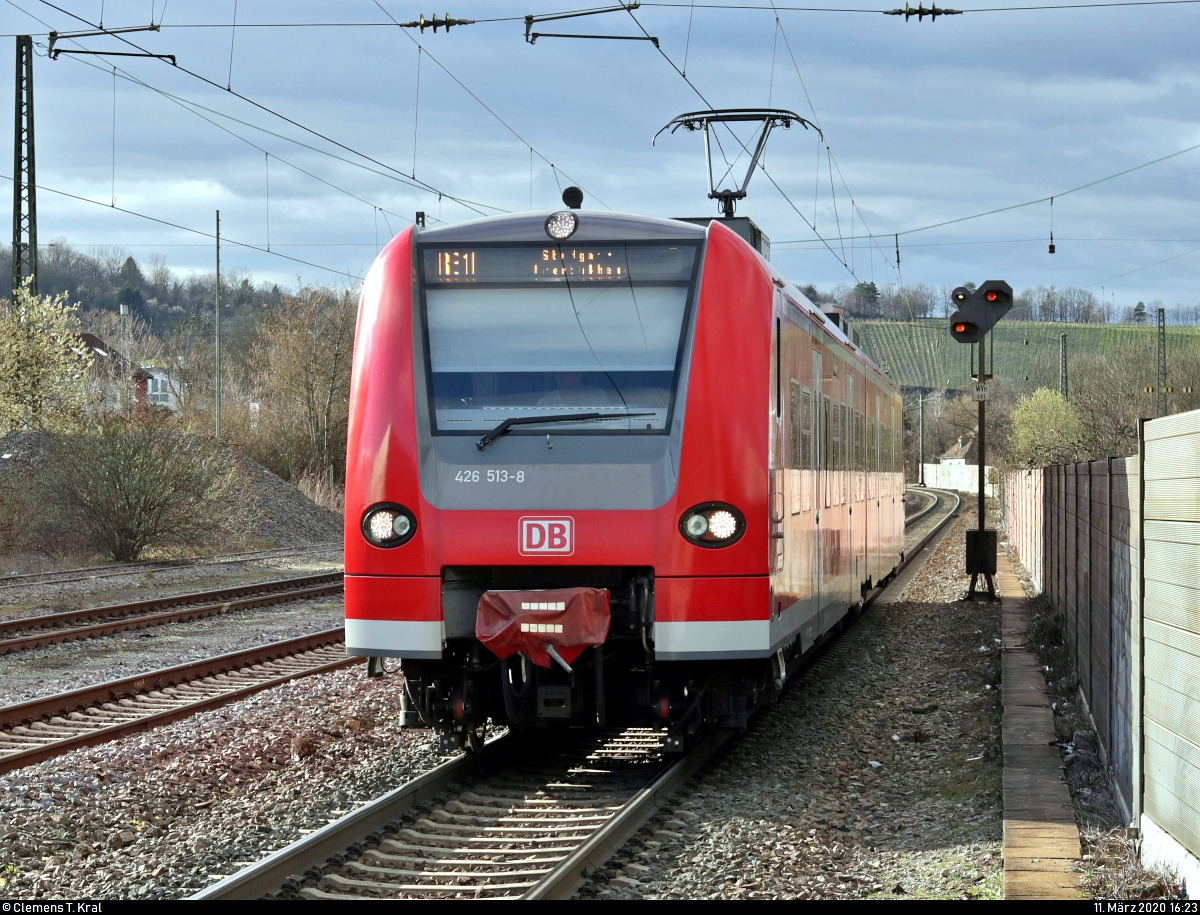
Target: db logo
x=539 y=536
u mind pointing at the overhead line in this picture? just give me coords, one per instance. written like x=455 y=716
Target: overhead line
x=1017 y=206
x=1144 y=267
x=685 y=78
x=986 y=241
x=191 y=107
x=201 y=232
x=470 y=205
x=989 y=9
x=485 y=105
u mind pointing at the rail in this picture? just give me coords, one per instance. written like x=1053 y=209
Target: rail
x=56 y=627
x=43 y=728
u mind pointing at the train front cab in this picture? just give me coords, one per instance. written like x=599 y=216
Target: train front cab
x=696 y=630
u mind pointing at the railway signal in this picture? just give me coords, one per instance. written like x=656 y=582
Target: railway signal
x=977 y=312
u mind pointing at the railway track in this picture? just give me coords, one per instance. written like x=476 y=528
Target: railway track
x=90 y=573
x=936 y=495
x=39 y=631
x=43 y=728
x=533 y=827
x=528 y=820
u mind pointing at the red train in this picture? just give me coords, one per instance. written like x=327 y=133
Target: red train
x=605 y=468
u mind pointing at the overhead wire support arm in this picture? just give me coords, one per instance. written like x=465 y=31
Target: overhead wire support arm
x=531 y=36
x=167 y=57
x=700 y=120
x=94 y=33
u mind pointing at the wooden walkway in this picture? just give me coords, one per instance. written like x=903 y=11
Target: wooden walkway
x=1041 y=841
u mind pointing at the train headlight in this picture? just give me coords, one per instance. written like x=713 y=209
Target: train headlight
x=388 y=525
x=562 y=226
x=713 y=524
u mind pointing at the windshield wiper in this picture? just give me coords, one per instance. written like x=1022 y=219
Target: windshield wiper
x=505 y=426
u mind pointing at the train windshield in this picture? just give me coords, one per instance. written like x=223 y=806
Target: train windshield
x=518 y=331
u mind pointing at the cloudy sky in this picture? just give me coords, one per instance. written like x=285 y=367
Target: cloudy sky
x=927 y=122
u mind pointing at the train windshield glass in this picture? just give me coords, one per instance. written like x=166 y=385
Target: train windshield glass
x=518 y=331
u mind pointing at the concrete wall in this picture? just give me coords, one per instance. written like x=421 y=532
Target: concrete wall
x=960 y=477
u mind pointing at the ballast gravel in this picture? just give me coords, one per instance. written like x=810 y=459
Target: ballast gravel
x=163 y=814
x=877 y=774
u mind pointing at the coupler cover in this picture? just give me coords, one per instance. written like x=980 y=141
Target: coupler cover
x=570 y=619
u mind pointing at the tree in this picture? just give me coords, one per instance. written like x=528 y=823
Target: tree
x=300 y=371
x=864 y=299
x=1046 y=429
x=43 y=364
x=136 y=484
x=1139 y=313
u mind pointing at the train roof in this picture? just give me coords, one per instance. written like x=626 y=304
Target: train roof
x=594 y=225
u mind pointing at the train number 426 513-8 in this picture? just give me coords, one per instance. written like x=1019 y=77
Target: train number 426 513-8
x=490 y=476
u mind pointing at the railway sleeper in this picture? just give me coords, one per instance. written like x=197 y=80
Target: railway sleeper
x=500 y=873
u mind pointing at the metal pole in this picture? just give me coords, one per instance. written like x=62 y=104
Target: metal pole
x=217 y=322
x=922 y=437
x=982 y=449
x=1062 y=367
x=1160 y=396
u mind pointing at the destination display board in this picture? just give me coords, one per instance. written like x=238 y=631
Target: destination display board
x=527 y=264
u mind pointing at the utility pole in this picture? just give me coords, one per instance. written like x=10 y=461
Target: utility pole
x=217 y=322
x=921 y=403
x=1160 y=396
x=1063 y=388
x=24 y=240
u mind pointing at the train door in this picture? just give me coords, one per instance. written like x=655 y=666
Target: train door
x=776 y=496
x=895 y=486
x=876 y=477
x=851 y=455
x=818 y=475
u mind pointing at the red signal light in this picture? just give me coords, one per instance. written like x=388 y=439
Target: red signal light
x=992 y=295
x=960 y=328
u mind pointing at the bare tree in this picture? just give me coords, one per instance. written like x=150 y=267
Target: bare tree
x=136 y=484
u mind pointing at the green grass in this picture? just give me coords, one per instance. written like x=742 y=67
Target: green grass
x=922 y=354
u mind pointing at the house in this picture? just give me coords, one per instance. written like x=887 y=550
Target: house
x=114 y=382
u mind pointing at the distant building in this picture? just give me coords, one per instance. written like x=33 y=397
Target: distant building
x=115 y=383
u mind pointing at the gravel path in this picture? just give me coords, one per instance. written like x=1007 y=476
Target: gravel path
x=877 y=775
x=160 y=815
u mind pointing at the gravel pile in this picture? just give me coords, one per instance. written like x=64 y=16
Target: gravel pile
x=160 y=815
x=277 y=514
x=878 y=774
x=283 y=515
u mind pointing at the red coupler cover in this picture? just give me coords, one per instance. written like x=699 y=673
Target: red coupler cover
x=570 y=619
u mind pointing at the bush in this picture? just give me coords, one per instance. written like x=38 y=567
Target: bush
x=137 y=484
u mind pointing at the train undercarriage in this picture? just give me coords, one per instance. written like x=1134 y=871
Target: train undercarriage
x=616 y=683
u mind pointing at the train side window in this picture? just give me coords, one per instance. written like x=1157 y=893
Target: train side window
x=860 y=453
x=835 y=450
x=795 y=452
x=845 y=465
x=826 y=449
x=807 y=445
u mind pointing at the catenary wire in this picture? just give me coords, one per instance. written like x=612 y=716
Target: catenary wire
x=201 y=232
x=468 y=204
x=485 y=105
